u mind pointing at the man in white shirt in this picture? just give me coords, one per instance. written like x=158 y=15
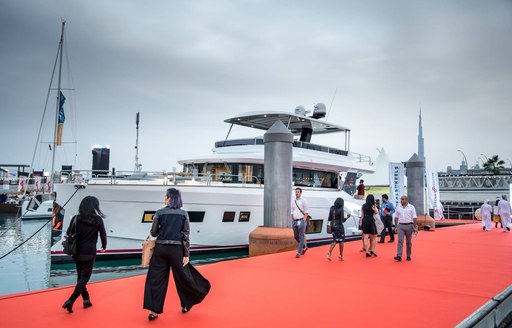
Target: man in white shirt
x=485 y=214
x=405 y=222
x=504 y=212
x=300 y=213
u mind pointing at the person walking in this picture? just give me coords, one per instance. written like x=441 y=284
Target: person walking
x=360 y=189
x=300 y=213
x=386 y=215
x=337 y=218
x=485 y=214
x=504 y=212
x=88 y=224
x=406 y=223
x=368 y=225
x=172 y=250
x=496 y=217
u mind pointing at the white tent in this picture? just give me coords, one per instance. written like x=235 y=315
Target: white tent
x=381 y=175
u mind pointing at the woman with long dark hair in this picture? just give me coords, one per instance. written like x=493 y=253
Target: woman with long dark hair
x=368 y=225
x=172 y=228
x=337 y=217
x=88 y=224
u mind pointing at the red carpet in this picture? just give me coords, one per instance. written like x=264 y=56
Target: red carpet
x=452 y=273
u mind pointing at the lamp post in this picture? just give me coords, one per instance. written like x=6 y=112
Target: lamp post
x=465 y=159
x=480 y=158
x=509 y=162
x=486 y=158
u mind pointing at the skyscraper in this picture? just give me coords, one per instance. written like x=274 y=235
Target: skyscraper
x=421 y=146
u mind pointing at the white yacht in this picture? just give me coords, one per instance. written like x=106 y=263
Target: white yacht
x=223 y=191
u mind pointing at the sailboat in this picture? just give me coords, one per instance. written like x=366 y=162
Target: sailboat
x=44 y=206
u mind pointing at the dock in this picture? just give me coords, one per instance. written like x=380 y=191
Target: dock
x=453 y=272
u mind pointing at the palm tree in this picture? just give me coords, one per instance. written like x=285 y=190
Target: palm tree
x=494 y=165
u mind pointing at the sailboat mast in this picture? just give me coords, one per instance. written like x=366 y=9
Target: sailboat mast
x=137 y=166
x=61 y=47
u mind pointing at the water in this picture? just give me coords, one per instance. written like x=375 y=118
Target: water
x=29 y=268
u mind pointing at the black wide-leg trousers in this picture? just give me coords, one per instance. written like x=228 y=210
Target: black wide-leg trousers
x=191 y=286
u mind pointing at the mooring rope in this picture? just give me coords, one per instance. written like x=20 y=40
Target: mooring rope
x=35 y=233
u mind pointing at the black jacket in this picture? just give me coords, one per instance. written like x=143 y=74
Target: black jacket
x=87 y=237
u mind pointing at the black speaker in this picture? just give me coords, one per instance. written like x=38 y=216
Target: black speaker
x=100 y=161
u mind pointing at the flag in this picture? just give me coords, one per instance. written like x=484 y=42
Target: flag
x=21 y=184
x=37 y=183
x=396 y=182
x=433 y=189
x=62 y=118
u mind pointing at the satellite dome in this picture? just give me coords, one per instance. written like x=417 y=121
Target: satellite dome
x=319 y=110
x=300 y=110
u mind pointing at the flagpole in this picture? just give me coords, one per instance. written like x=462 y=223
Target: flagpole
x=61 y=46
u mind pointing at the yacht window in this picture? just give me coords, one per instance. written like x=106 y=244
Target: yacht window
x=244 y=217
x=317 y=179
x=195 y=216
x=229 y=217
x=315 y=226
x=147 y=217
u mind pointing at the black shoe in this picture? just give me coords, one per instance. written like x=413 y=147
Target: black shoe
x=380 y=242
x=508 y=229
x=368 y=255
x=87 y=303
x=373 y=253
x=68 y=305
x=184 y=309
x=304 y=250
x=398 y=258
x=391 y=241
x=152 y=316
x=483 y=228
x=408 y=258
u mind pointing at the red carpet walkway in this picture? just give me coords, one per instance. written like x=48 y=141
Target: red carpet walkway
x=452 y=273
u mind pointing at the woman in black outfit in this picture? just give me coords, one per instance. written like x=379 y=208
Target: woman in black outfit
x=89 y=223
x=171 y=227
x=337 y=216
x=368 y=224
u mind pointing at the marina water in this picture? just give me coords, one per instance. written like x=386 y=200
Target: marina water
x=28 y=268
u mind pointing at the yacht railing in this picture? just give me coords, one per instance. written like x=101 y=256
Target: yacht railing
x=154 y=177
x=297 y=144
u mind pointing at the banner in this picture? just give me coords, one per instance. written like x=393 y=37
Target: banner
x=21 y=184
x=37 y=183
x=61 y=120
x=434 y=201
x=396 y=182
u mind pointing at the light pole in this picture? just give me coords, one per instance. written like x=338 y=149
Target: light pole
x=509 y=162
x=465 y=159
x=486 y=158
x=480 y=158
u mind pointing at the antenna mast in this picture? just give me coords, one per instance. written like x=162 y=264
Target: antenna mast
x=61 y=46
x=137 y=165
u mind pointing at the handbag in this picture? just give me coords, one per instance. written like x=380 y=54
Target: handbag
x=148 y=246
x=308 y=218
x=378 y=223
x=329 y=227
x=330 y=224
x=69 y=243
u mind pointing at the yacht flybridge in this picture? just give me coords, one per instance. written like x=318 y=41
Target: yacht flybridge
x=222 y=191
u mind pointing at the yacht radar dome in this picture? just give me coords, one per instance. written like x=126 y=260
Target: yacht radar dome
x=319 y=110
x=300 y=110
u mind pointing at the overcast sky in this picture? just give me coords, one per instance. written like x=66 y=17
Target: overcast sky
x=186 y=66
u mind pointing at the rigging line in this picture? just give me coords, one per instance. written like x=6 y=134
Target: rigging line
x=44 y=225
x=42 y=120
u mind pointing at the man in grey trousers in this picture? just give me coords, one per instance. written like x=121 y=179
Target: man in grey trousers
x=406 y=223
